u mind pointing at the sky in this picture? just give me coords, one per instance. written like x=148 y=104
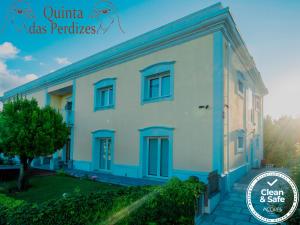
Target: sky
x=270 y=29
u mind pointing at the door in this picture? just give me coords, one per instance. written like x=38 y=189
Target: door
x=105 y=154
x=158 y=157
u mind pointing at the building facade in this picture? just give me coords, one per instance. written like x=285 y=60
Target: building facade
x=182 y=100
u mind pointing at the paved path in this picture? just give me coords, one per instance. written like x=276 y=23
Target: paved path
x=233 y=209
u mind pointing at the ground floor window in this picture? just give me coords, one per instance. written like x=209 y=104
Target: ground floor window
x=158 y=156
x=103 y=149
x=105 y=153
x=156 y=152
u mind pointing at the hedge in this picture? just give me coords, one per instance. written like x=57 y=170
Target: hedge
x=172 y=203
x=7 y=204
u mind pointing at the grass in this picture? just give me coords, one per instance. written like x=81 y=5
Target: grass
x=44 y=188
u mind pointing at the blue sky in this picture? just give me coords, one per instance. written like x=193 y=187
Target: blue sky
x=270 y=29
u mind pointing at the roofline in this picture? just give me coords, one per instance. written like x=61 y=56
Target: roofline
x=205 y=21
x=233 y=35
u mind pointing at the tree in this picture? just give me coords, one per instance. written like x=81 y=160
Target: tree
x=281 y=140
x=29 y=131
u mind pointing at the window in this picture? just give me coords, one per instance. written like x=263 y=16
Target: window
x=257 y=103
x=156 y=152
x=103 y=146
x=105 y=153
x=240 y=141
x=241 y=87
x=159 y=86
x=105 y=94
x=240 y=84
x=157 y=82
x=158 y=156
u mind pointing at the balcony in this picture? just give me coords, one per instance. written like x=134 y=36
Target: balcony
x=61 y=100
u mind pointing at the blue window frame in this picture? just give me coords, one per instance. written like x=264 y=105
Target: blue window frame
x=156 y=147
x=240 y=84
x=105 y=94
x=240 y=141
x=157 y=82
x=103 y=150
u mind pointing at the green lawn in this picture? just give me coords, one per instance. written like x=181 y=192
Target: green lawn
x=44 y=188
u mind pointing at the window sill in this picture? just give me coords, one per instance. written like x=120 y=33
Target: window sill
x=159 y=99
x=99 y=108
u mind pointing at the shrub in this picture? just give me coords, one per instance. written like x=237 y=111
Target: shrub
x=76 y=209
x=173 y=203
x=7 y=205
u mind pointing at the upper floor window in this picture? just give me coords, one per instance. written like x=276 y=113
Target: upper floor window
x=241 y=87
x=159 y=85
x=257 y=103
x=157 y=82
x=240 y=84
x=105 y=98
x=104 y=94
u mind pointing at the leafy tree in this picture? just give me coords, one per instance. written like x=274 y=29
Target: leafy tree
x=29 y=131
x=281 y=140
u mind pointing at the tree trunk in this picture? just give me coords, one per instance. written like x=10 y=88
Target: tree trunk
x=23 y=175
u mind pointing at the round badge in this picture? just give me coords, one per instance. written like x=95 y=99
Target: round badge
x=272 y=197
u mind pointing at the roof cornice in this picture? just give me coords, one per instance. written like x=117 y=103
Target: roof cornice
x=234 y=37
x=187 y=28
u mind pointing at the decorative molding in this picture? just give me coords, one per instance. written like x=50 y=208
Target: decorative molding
x=218 y=103
x=206 y=21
